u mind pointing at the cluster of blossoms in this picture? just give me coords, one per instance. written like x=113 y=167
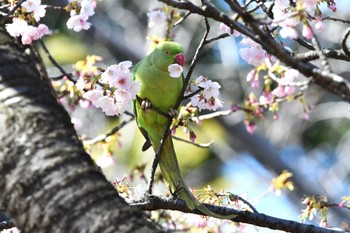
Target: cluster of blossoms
x=278 y=81
x=79 y=15
x=314 y=205
x=26 y=23
x=288 y=17
x=208 y=97
x=30 y=10
x=116 y=96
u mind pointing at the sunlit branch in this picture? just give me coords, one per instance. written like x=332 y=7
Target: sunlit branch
x=200 y=145
x=156 y=203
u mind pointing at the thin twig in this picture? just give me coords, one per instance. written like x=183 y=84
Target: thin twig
x=305 y=43
x=343 y=42
x=324 y=61
x=200 y=145
x=192 y=94
x=193 y=63
x=234 y=196
x=182 y=19
x=221 y=36
x=157 y=157
x=213 y=115
x=336 y=19
x=111 y=132
x=54 y=62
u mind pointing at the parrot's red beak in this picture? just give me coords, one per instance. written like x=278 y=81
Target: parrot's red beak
x=180 y=59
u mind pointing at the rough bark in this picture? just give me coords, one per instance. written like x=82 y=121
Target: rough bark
x=48 y=182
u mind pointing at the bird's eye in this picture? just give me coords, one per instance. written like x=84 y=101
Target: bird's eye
x=167 y=52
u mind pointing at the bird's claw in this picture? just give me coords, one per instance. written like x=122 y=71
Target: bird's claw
x=173 y=112
x=146 y=104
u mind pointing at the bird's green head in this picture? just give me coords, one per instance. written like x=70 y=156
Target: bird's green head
x=167 y=53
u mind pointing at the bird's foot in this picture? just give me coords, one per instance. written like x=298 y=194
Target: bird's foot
x=173 y=112
x=146 y=105
x=176 y=191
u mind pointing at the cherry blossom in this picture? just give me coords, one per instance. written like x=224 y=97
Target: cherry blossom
x=208 y=97
x=285 y=87
x=266 y=98
x=319 y=26
x=123 y=90
x=78 y=23
x=17 y=27
x=254 y=54
x=33 y=33
x=175 y=70
x=35 y=6
x=310 y=4
x=253 y=78
x=29 y=33
x=307 y=32
x=156 y=18
x=251 y=127
x=87 y=8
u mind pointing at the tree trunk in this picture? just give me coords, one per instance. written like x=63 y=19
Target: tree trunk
x=49 y=183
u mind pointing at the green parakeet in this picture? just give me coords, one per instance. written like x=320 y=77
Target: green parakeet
x=162 y=91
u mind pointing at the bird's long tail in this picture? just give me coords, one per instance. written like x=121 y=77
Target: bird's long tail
x=172 y=176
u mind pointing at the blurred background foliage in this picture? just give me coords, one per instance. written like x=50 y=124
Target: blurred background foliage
x=316 y=151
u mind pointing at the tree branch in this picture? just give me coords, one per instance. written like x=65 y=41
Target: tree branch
x=327 y=80
x=262 y=220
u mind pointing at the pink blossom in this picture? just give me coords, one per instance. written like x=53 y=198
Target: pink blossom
x=319 y=26
x=33 y=33
x=282 y=4
x=290 y=75
x=310 y=4
x=175 y=70
x=105 y=161
x=251 y=127
x=214 y=103
x=35 y=6
x=42 y=30
x=156 y=18
x=307 y=32
x=202 y=81
x=252 y=55
x=87 y=8
x=332 y=6
x=80 y=84
x=289 y=32
x=93 y=95
x=118 y=76
x=285 y=87
x=223 y=27
x=208 y=97
x=253 y=78
x=212 y=90
x=78 y=23
x=279 y=91
x=266 y=98
x=17 y=27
